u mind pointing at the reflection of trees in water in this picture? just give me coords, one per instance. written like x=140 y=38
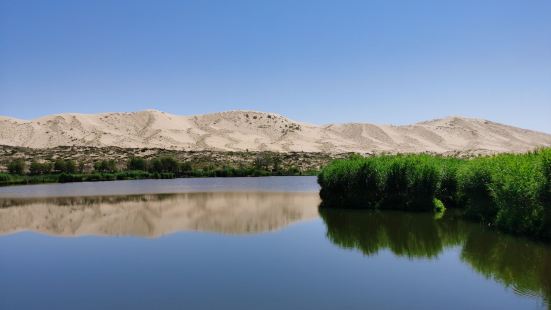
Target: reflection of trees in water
x=520 y=263
x=86 y=200
x=413 y=235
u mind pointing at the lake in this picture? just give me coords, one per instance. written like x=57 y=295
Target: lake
x=250 y=243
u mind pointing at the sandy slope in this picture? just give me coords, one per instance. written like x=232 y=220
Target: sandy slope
x=257 y=131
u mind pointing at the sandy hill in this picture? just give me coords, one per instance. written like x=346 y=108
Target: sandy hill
x=258 y=131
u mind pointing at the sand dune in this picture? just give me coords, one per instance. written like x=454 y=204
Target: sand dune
x=259 y=131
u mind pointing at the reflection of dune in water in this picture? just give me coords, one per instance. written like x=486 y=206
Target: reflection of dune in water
x=156 y=215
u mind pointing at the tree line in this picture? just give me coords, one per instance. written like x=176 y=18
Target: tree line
x=68 y=170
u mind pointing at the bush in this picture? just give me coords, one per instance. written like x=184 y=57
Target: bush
x=354 y=182
x=105 y=166
x=517 y=188
x=133 y=175
x=37 y=168
x=66 y=177
x=17 y=166
x=164 y=164
x=185 y=168
x=390 y=182
x=438 y=206
x=448 y=188
x=137 y=163
x=474 y=180
x=4 y=177
x=65 y=166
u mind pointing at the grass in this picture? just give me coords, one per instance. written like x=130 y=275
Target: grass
x=510 y=191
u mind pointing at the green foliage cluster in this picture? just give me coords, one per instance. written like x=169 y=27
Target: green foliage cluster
x=38 y=168
x=262 y=166
x=509 y=191
x=164 y=167
x=4 y=177
x=137 y=163
x=17 y=167
x=438 y=206
x=105 y=166
x=65 y=166
x=406 y=182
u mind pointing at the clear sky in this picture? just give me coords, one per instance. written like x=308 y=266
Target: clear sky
x=317 y=61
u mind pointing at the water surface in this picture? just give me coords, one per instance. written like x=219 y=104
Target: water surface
x=171 y=186
x=249 y=243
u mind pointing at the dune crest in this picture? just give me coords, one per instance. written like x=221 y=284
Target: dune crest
x=260 y=131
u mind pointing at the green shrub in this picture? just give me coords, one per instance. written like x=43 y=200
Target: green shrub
x=132 y=175
x=411 y=183
x=93 y=177
x=67 y=177
x=474 y=180
x=448 y=188
x=105 y=166
x=390 y=182
x=65 y=166
x=37 y=168
x=164 y=165
x=545 y=194
x=438 y=206
x=185 y=169
x=4 y=177
x=137 y=163
x=17 y=166
x=518 y=185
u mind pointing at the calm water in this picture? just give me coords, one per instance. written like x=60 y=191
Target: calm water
x=249 y=243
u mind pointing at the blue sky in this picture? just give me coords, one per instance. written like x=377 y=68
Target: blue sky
x=317 y=61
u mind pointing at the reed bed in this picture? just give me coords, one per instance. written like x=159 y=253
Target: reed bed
x=509 y=191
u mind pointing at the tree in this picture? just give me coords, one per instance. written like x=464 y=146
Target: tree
x=137 y=163
x=81 y=167
x=59 y=166
x=65 y=166
x=164 y=164
x=70 y=166
x=108 y=166
x=185 y=168
x=169 y=164
x=17 y=166
x=37 y=168
x=263 y=162
x=155 y=165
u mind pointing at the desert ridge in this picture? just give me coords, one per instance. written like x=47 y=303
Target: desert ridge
x=261 y=131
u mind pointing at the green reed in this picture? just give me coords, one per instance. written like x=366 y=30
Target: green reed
x=509 y=191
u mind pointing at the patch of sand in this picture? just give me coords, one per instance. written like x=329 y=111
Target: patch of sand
x=259 y=131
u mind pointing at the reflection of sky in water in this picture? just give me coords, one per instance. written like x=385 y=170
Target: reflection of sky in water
x=291 y=268
x=256 y=250
x=246 y=184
